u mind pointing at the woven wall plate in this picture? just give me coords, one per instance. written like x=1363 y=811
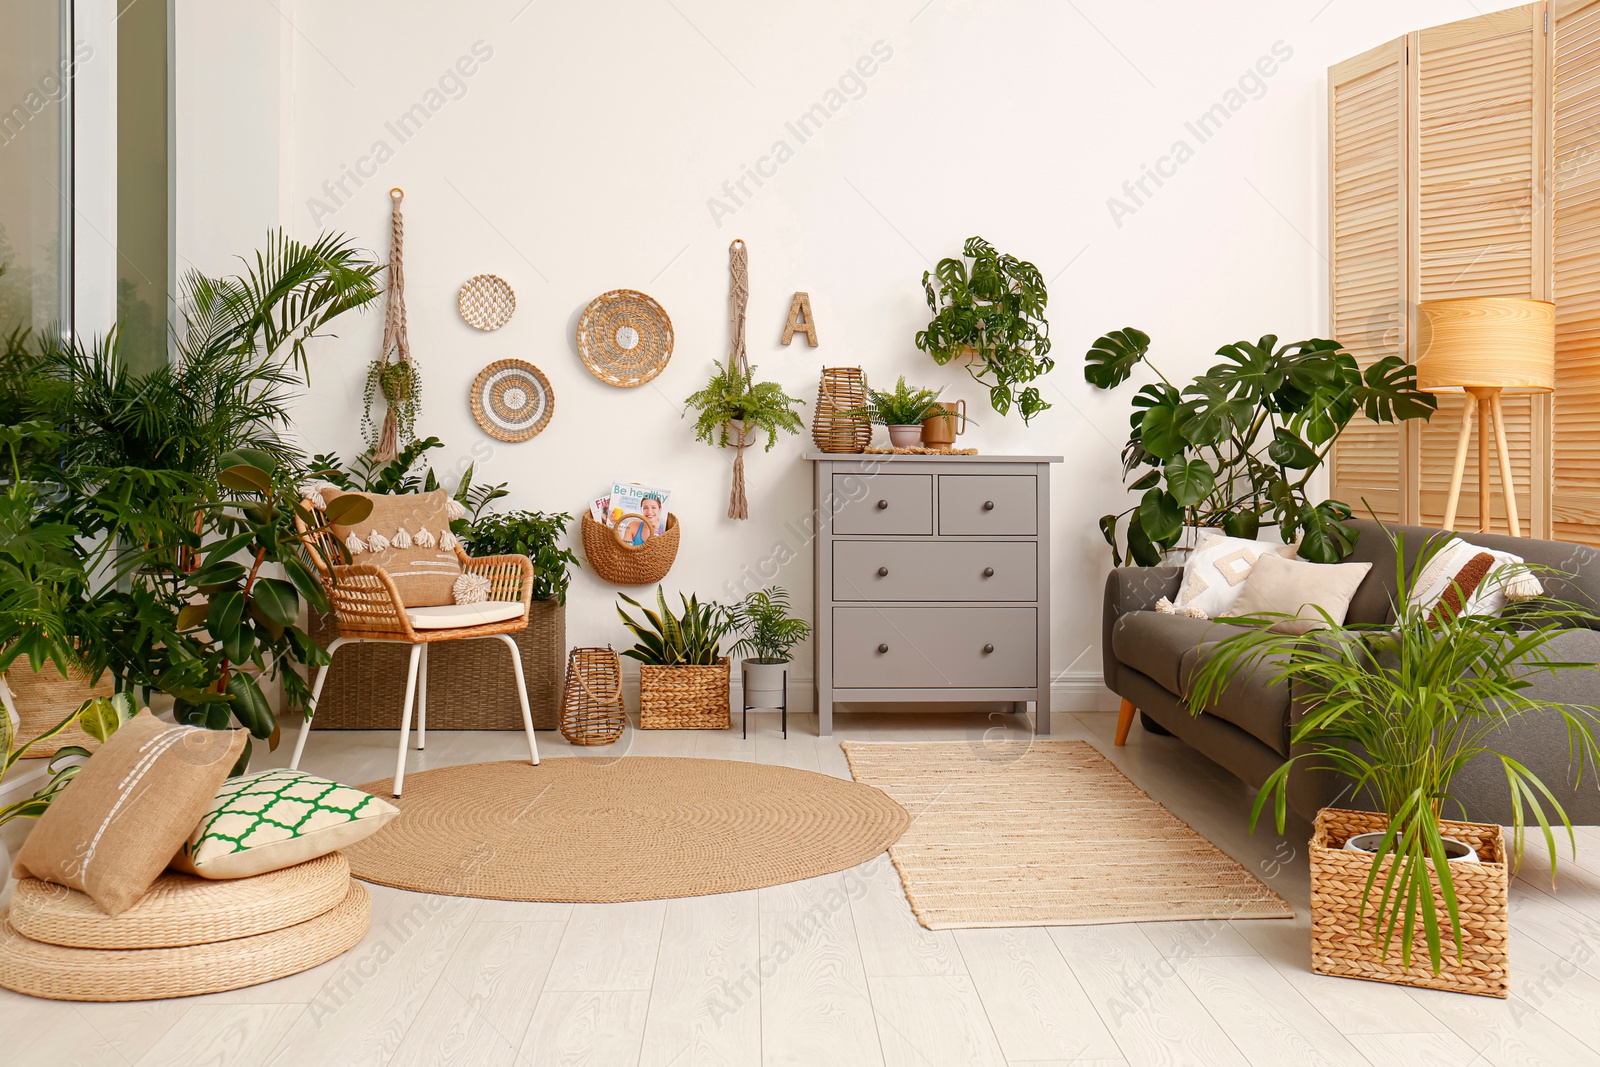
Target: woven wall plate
x=58 y=973
x=487 y=302
x=624 y=338
x=181 y=909
x=512 y=400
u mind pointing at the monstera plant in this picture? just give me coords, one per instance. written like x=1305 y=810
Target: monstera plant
x=1237 y=447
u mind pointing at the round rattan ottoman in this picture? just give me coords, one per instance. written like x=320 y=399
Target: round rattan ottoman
x=172 y=960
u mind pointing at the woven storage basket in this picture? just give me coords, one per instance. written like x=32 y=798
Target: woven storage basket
x=1341 y=945
x=58 y=973
x=684 y=698
x=591 y=706
x=841 y=389
x=44 y=698
x=622 y=564
x=470 y=683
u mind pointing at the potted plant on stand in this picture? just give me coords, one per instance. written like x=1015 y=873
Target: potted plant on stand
x=902 y=411
x=1400 y=708
x=769 y=634
x=683 y=675
x=992 y=313
x=734 y=409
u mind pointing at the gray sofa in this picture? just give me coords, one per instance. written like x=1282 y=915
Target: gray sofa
x=1149 y=657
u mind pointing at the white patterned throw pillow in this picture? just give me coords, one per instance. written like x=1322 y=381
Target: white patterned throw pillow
x=1215 y=573
x=270 y=820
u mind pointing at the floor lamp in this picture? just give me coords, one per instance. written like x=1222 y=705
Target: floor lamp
x=1486 y=346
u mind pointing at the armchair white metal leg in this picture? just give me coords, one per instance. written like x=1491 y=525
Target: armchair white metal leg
x=422 y=702
x=405 y=716
x=316 y=694
x=522 y=695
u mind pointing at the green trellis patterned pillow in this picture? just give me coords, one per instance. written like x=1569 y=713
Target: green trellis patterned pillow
x=270 y=820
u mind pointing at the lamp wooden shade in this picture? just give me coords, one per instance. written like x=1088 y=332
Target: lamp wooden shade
x=1486 y=346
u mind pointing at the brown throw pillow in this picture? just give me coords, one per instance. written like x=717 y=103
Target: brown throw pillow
x=1295 y=587
x=115 y=826
x=409 y=536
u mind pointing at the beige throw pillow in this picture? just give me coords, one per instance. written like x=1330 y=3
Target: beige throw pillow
x=408 y=535
x=1295 y=587
x=112 y=830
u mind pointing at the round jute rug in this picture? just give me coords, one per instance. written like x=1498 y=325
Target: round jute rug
x=592 y=830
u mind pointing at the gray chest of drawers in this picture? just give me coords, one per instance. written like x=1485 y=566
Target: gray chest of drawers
x=932 y=580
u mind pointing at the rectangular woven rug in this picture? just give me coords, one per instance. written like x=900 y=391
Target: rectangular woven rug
x=1046 y=833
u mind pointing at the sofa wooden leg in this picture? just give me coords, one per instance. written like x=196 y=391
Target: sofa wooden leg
x=1125 y=721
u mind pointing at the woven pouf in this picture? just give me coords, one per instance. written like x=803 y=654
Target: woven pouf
x=181 y=909
x=58 y=973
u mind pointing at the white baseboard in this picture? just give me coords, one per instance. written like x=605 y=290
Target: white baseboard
x=1072 y=691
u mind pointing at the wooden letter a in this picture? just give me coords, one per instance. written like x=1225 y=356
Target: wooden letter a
x=800 y=320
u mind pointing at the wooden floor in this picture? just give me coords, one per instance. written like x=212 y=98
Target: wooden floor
x=835 y=971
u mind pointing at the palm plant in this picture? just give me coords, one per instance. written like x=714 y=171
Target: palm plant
x=691 y=638
x=1401 y=708
x=770 y=632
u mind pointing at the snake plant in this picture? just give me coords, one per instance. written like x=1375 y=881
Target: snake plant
x=690 y=638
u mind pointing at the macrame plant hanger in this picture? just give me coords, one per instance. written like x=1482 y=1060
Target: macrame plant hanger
x=738 y=297
x=396 y=343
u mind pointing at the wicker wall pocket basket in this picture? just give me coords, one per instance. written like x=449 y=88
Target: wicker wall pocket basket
x=622 y=564
x=591 y=705
x=842 y=389
x=684 y=698
x=1342 y=945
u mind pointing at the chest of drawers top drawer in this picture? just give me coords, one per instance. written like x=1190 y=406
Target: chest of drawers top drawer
x=883 y=504
x=988 y=504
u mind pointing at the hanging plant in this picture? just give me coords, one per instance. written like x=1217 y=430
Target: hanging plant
x=994 y=311
x=400 y=386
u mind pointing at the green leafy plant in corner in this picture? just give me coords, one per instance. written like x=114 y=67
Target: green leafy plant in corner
x=1400 y=708
x=1237 y=447
x=734 y=397
x=994 y=309
x=769 y=632
x=903 y=407
x=690 y=638
x=535 y=534
x=99 y=718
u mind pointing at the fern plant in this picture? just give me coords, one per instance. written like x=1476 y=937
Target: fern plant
x=770 y=632
x=903 y=407
x=691 y=638
x=732 y=396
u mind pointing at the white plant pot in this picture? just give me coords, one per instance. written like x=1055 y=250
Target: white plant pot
x=763 y=683
x=752 y=433
x=1455 y=850
x=906 y=436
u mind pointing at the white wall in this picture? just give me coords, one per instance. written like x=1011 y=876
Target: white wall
x=581 y=154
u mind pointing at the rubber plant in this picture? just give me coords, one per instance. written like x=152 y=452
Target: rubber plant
x=994 y=310
x=1399 y=708
x=1237 y=447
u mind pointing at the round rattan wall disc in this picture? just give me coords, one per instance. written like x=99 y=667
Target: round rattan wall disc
x=512 y=400
x=58 y=973
x=625 y=338
x=636 y=828
x=487 y=302
x=181 y=909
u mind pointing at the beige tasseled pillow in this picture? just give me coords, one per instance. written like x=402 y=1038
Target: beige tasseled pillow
x=409 y=537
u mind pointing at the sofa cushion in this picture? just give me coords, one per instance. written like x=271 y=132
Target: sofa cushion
x=1252 y=702
x=1154 y=643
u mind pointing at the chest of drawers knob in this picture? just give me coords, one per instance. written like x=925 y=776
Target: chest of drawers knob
x=988 y=505
x=883 y=648
x=987 y=649
x=988 y=572
x=883 y=572
x=883 y=505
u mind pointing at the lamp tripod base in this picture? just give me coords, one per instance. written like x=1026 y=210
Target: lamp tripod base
x=1485 y=405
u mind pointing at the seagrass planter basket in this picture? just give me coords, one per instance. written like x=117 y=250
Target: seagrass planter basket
x=43 y=698
x=684 y=698
x=1344 y=945
x=622 y=564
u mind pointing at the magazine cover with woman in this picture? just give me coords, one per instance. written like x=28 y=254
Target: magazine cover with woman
x=637 y=512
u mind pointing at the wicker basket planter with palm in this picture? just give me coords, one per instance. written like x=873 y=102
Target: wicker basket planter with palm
x=683 y=675
x=1399 y=708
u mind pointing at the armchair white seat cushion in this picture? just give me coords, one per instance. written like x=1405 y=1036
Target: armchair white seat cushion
x=450 y=616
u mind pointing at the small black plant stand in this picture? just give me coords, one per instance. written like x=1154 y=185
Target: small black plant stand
x=744 y=709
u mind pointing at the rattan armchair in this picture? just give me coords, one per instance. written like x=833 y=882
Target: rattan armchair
x=367 y=607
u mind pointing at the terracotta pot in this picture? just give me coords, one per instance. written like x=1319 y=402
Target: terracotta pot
x=906 y=436
x=940 y=431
